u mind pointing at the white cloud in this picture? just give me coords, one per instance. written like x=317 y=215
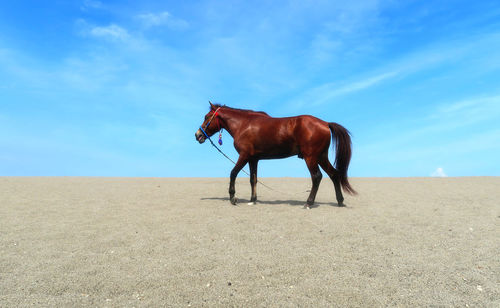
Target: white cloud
x=162 y=19
x=401 y=68
x=439 y=172
x=485 y=105
x=110 y=32
x=418 y=61
x=471 y=111
x=362 y=84
x=91 y=4
x=326 y=92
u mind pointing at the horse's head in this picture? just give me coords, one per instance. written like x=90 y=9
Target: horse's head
x=210 y=124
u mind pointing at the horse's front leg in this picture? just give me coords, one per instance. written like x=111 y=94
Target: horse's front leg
x=253 y=180
x=242 y=160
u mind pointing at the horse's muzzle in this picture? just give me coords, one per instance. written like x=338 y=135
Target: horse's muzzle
x=199 y=136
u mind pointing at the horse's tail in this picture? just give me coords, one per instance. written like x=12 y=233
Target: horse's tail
x=342 y=139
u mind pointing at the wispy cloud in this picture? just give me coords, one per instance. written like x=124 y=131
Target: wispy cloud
x=91 y=4
x=464 y=134
x=411 y=64
x=483 y=105
x=112 y=31
x=332 y=91
x=162 y=19
x=448 y=116
x=442 y=118
x=418 y=61
x=329 y=91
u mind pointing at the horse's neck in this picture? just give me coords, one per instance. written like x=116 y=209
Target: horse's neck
x=233 y=120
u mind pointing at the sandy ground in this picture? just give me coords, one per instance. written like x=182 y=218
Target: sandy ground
x=125 y=242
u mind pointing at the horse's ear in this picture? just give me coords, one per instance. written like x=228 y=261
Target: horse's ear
x=211 y=105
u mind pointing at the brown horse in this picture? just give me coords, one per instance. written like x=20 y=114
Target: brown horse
x=258 y=136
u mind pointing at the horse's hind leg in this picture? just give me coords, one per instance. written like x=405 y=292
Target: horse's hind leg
x=312 y=165
x=333 y=174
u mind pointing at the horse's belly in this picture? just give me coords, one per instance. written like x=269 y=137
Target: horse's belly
x=278 y=151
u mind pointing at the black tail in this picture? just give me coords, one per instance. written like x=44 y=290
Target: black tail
x=342 y=139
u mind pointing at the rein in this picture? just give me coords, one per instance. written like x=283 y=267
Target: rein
x=208 y=124
x=220 y=140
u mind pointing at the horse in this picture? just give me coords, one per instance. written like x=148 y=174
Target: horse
x=259 y=136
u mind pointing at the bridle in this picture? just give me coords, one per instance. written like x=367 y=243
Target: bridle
x=208 y=124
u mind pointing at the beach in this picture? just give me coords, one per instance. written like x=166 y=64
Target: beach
x=149 y=242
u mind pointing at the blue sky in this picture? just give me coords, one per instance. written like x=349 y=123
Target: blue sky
x=118 y=88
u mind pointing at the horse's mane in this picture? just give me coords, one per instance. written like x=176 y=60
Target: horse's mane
x=238 y=109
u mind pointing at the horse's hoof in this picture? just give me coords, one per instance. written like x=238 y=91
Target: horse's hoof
x=252 y=203
x=307 y=207
x=234 y=201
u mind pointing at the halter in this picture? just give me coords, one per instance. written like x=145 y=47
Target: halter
x=208 y=124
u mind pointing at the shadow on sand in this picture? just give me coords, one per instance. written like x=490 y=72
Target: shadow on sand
x=274 y=202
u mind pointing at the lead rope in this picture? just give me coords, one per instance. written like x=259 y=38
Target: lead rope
x=244 y=171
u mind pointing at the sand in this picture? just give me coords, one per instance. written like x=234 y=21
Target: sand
x=137 y=242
